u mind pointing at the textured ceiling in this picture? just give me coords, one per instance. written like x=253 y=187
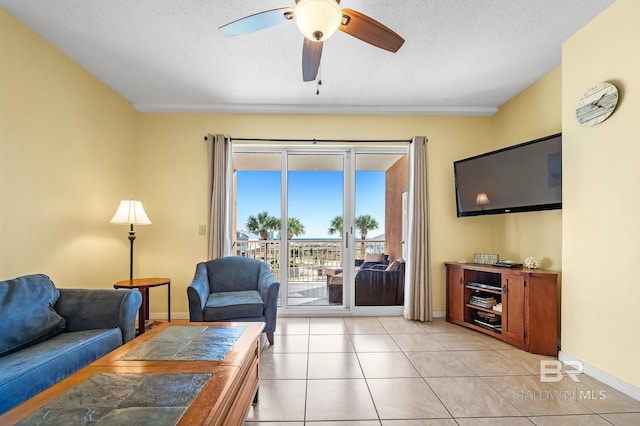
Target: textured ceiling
x=460 y=56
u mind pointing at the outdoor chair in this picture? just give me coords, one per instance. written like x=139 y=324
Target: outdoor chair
x=234 y=288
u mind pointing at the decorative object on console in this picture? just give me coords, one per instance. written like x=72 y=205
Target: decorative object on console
x=485 y=259
x=597 y=104
x=532 y=262
x=130 y=212
x=508 y=264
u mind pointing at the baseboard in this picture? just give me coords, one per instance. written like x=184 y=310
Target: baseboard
x=185 y=315
x=434 y=314
x=606 y=378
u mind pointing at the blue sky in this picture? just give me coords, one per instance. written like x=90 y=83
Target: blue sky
x=315 y=198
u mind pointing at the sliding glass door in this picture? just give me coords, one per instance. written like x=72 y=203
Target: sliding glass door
x=315 y=235
x=380 y=180
x=320 y=218
x=257 y=206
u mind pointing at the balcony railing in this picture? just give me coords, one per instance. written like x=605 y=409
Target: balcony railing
x=307 y=257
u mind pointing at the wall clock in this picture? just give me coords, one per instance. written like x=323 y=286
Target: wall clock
x=597 y=104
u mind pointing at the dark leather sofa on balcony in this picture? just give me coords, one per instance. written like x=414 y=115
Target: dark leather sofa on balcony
x=378 y=285
x=381 y=286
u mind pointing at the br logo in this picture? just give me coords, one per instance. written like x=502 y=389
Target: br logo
x=552 y=371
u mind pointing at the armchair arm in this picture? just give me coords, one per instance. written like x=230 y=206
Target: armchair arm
x=370 y=265
x=269 y=289
x=198 y=292
x=86 y=309
x=375 y=267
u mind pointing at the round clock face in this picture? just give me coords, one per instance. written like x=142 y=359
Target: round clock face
x=597 y=104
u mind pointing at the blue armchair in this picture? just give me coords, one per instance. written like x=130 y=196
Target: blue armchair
x=234 y=288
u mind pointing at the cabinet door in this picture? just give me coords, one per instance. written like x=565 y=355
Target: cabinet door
x=513 y=312
x=455 y=294
x=542 y=311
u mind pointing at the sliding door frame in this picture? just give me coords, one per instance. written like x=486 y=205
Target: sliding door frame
x=349 y=153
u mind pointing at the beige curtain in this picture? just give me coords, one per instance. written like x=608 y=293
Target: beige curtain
x=220 y=195
x=418 y=288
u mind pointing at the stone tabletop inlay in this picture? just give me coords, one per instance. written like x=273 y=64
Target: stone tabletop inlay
x=123 y=398
x=187 y=343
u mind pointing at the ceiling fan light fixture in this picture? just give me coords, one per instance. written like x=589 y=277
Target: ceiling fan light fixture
x=317 y=20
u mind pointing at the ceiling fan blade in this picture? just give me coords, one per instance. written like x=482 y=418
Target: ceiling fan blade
x=369 y=30
x=311 y=54
x=258 y=21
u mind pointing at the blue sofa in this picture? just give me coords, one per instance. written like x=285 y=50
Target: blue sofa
x=48 y=333
x=234 y=288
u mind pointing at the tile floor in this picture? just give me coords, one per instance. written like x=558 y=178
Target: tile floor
x=308 y=293
x=387 y=371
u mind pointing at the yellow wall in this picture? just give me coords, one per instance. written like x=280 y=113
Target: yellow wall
x=600 y=294
x=68 y=153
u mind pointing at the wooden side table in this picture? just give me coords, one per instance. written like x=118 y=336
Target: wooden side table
x=143 y=285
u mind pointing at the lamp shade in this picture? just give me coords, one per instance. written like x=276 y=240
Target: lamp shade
x=317 y=20
x=482 y=199
x=130 y=212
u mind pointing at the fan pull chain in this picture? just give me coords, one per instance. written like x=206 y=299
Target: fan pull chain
x=319 y=83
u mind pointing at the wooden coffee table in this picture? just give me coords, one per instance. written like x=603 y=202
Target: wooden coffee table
x=178 y=373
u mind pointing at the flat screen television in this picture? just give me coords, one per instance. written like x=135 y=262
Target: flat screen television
x=521 y=178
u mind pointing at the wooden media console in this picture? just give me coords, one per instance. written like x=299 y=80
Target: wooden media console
x=519 y=306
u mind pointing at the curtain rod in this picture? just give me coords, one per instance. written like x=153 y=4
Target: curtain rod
x=314 y=141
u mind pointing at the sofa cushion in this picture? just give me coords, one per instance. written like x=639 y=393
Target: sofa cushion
x=27 y=310
x=394 y=266
x=373 y=257
x=234 y=305
x=31 y=370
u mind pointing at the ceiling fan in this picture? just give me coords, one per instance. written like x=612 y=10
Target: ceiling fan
x=317 y=20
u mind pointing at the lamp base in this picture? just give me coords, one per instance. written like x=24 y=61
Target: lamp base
x=132 y=237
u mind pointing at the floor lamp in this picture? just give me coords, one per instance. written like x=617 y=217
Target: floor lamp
x=130 y=212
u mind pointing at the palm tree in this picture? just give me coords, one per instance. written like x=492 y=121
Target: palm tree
x=365 y=223
x=336 y=226
x=262 y=224
x=295 y=228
